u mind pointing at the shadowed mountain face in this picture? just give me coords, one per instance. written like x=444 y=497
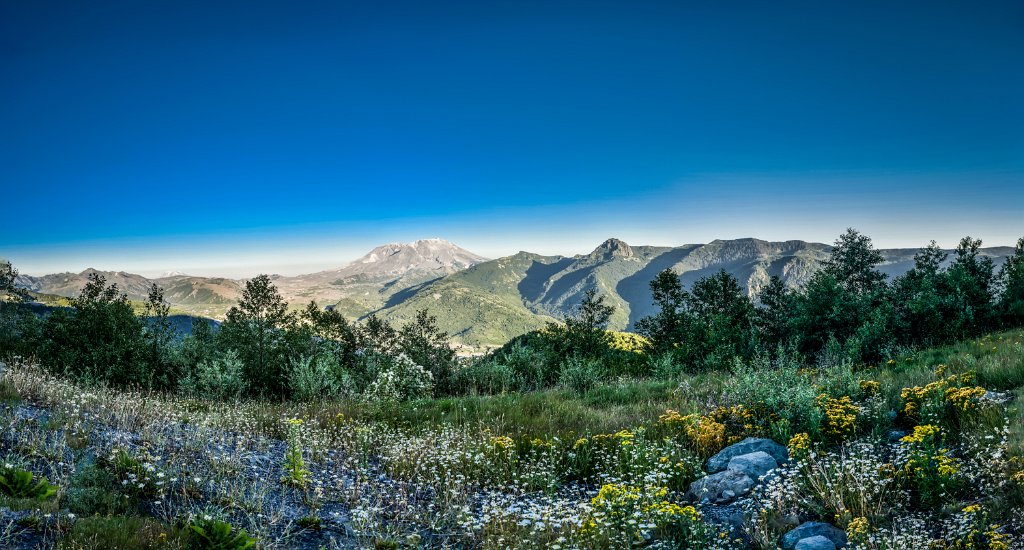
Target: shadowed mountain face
x=494 y=301
x=483 y=302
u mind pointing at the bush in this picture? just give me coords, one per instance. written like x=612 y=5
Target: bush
x=486 y=377
x=399 y=379
x=778 y=385
x=211 y=534
x=220 y=378
x=528 y=363
x=316 y=378
x=580 y=374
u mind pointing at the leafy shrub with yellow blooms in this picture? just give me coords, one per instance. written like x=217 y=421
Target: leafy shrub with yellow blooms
x=712 y=432
x=870 y=387
x=947 y=401
x=623 y=516
x=840 y=418
x=928 y=466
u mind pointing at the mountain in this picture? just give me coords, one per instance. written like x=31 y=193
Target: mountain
x=484 y=303
x=494 y=301
x=381 y=278
x=364 y=285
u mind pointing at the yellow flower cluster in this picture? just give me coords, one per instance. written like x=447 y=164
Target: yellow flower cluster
x=966 y=398
x=673 y=510
x=870 y=387
x=621 y=437
x=925 y=433
x=955 y=389
x=617 y=494
x=983 y=535
x=502 y=442
x=799 y=446
x=628 y=341
x=840 y=415
x=1018 y=477
x=858 y=530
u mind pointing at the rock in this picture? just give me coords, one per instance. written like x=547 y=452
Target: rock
x=813 y=529
x=818 y=542
x=896 y=435
x=997 y=397
x=720 y=488
x=755 y=464
x=749 y=445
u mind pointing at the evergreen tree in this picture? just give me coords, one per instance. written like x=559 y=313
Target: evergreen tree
x=255 y=329
x=841 y=299
x=666 y=329
x=722 y=321
x=159 y=335
x=853 y=263
x=586 y=329
x=771 y=316
x=971 y=289
x=1011 y=277
x=920 y=298
x=427 y=345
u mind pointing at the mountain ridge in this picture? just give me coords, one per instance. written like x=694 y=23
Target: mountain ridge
x=483 y=302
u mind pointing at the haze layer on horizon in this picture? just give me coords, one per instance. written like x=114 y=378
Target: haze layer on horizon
x=258 y=137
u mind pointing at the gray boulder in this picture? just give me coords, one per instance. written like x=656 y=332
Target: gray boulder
x=749 y=445
x=720 y=488
x=818 y=542
x=813 y=529
x=755 y=464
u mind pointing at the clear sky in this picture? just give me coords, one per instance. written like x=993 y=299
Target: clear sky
x=241 y=137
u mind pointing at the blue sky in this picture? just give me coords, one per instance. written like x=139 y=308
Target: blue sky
x=238 y=137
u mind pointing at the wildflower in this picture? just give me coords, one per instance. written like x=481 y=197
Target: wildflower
x=870 y=387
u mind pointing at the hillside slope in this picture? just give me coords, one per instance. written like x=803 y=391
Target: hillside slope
x=494 y=301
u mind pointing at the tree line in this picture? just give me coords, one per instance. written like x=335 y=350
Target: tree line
x=263 y=349
x=848 y=311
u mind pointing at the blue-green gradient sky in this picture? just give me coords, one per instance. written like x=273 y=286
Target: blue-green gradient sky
x=237 y=137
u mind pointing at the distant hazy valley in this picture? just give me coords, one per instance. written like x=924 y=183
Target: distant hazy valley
x=483 y=302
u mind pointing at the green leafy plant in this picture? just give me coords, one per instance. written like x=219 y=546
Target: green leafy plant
x=296 y=473
x=18 y=483
x=212 y=534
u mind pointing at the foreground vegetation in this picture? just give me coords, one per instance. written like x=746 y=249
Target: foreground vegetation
x=897 y=402
x=601 y=469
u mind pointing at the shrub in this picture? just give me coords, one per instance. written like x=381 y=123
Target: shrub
x=946 y=402
x=319 y=377
x=626 y=515
x=664 y=366
x=928 y=466
x=778 y=386
x=580 y=374
x=840 y=416
x=211 y=534
x=220 y=378
x=399 y=379
x=486 y=377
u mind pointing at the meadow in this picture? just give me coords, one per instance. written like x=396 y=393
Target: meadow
x=922 y=451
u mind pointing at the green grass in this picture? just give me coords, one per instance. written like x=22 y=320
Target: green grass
x=121 y=533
